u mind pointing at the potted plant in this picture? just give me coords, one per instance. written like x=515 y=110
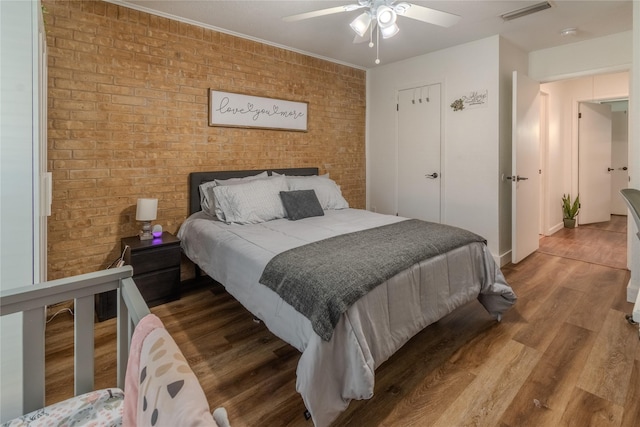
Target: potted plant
x=570 y=210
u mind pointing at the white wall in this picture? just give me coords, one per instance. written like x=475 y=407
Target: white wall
x=18 y=253
x=602 y=55
x=470 y=171
x=558 y=153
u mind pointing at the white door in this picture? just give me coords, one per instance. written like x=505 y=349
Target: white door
x=619 y=159
x=594 y=162
x=525 y=187
x=418 y=192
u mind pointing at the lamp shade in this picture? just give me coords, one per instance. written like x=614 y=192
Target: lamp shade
x=147 y=209
x=361 y=24
x=386 y=16
x=388 y=32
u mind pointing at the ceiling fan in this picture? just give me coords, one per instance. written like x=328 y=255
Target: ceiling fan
x=381 y=16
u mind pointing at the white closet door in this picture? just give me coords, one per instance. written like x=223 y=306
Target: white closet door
x=20 y=228
x=419 y=172
x=594 y=162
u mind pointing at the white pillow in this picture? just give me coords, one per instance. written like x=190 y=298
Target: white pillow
x=252 y=202
x=207 y=200
x=328 y=192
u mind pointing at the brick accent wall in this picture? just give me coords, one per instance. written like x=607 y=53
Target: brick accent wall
x=128 y=115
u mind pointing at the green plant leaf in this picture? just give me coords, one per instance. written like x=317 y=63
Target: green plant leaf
x=570 y=209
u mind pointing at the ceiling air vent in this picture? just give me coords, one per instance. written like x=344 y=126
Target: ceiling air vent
x=525 y=11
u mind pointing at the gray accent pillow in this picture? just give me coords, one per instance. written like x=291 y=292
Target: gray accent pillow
x=300 y=204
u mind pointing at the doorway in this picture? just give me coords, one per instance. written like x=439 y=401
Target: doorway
x=603 y=146
x=560 y=165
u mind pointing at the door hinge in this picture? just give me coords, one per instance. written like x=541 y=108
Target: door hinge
x=579 y=115
x=397 y=107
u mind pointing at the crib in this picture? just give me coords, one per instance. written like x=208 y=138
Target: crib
x=138 y=334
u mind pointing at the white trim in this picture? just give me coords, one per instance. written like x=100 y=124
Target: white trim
x=556 y=228
x=586 y=73
x=503 y=259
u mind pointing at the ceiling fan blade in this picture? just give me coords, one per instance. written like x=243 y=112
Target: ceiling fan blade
x=322 y=12
x=430 y=16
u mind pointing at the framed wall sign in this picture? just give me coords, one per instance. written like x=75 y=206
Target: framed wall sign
x=236 y=110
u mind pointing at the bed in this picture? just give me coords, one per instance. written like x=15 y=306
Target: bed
x=342 y=339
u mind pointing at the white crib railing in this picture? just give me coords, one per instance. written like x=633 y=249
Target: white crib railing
x=31 y=300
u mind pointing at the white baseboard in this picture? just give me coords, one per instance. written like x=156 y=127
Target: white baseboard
x=632 y=294
x=555 y=228
x=503 y=259
x=635 y=299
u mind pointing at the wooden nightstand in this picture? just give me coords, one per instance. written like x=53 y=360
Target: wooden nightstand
x=156 y=271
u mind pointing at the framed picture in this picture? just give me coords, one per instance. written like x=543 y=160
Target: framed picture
x=229 y=109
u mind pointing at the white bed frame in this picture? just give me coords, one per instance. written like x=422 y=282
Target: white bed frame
x=32 y=300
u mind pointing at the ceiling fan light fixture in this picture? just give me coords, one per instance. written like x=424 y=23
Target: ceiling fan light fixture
x=380 y=16
x=361 y=24
x=390 y=31
x=385 y=16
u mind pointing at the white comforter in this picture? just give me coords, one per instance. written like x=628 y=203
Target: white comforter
x=372 y=329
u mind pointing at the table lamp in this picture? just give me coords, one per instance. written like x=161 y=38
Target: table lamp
x=146 y=211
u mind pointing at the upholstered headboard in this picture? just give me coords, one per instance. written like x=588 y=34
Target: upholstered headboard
x=197 y=178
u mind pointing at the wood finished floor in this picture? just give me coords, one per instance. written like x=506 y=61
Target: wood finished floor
x=563 y=356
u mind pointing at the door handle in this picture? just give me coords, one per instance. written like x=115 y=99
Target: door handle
x=517 y=178
x=432 y=176
x=624 y=168
x=610 y=169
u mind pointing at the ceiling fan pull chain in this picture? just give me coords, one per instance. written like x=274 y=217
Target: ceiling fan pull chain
x=428 y=90
x=378 y=46
x=371 y=35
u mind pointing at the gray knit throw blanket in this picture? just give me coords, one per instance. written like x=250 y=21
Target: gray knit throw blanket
x=323 y=279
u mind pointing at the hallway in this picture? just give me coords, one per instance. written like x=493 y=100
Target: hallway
x=603 y=243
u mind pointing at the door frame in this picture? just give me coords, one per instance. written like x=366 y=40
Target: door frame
x=544 y=164
x=443 y=173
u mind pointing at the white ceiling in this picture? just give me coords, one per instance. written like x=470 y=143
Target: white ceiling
x=330 y=36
